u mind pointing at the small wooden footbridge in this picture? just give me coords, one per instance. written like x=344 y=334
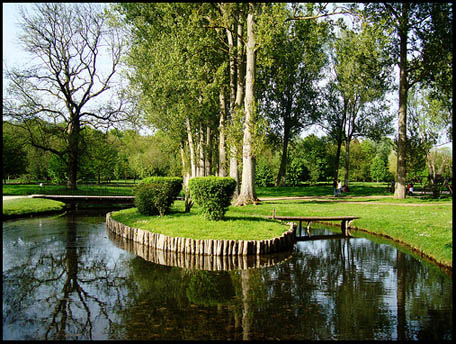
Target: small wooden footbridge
x=344 y=226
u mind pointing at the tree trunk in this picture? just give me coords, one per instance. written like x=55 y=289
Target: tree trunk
x=280 y=181
x=73 y=146
x=403 y=88
x=208 y=155
x=347 y=160
x=186 y=177
x=247 y=194
x=222 y=153
x=337 y=158
x=232 y=70
x=239 y=92
x=201 y=169
x=191 y=148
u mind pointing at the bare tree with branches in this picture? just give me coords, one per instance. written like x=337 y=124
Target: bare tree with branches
x=69 y=81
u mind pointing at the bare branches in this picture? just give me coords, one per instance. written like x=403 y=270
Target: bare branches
x=323 y=12
x=70 y=71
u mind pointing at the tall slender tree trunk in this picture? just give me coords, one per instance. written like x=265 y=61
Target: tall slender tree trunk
x=222 y=152
x=73 y=157
x=191 y=147
x=208 y=150
x=281 y=175
x=337 y=157
x=247 y=194
x=403 y=89
x=280 y=180
x=186 y=174
x=201 y=169
x=347 y=159
x=237 y=105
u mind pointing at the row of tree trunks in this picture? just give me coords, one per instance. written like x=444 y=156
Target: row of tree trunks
x=200 y=159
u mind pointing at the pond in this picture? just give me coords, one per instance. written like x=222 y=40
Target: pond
x=65 y=277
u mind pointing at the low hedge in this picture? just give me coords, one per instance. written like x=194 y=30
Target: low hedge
x=212 y=194
x=154 y=195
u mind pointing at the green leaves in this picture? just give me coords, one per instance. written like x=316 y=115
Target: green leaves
x=212 y=194
x=154 y=195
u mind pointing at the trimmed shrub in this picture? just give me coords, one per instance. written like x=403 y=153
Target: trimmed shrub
x=212 y=194
x=154 y=195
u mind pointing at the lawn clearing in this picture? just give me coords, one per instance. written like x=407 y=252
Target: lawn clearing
x=30 y=206
x=427 y=229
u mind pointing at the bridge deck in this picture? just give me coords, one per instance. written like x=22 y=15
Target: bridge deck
x=85 y=198
x=345 y=221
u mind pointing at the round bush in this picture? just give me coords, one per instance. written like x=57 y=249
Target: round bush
x=154 y=195
x=212 y=194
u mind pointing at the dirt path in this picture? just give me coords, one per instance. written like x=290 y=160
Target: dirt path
x=6 y=198
x=334 y=199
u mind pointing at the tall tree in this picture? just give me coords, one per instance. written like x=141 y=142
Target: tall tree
x=355 y=102
x=58 y=91
x=247 y=193
x=290 y=65
x=422 y=48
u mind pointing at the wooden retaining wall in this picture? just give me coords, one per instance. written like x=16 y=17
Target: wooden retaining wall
x=203 y=247
x=196 y=261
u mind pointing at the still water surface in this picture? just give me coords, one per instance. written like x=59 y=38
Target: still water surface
x=67 y=278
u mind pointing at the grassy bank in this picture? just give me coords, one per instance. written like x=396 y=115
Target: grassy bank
x=30 y=206
x=425 y=227
x=192 y=225
x=51 y=189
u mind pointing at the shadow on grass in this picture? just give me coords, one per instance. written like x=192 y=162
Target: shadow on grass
x=320 y=201
x=247 y=218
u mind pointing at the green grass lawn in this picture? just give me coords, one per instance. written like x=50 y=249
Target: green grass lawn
x=51 y=189
x=30 y=206
x=356 y=188
x=426 y=228
x=193 y=225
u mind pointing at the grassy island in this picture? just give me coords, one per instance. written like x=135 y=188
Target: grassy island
x=192 y=225
x=422 y=226
x=30 y=206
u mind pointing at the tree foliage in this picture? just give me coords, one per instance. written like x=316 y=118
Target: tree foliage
x=290 y=65
x=54 y=94
x=422 y=47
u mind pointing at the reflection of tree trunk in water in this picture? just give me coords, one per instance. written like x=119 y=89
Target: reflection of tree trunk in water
x=237 y=323
x=71 y=283
x=245 y=275
x=401 y=320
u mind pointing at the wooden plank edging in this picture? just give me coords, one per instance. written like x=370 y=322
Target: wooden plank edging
x=204 y=247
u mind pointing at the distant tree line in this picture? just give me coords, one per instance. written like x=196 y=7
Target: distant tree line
x=128 y=155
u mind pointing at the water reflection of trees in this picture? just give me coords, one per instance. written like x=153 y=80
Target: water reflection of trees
x=57 y=292
x=334 y=289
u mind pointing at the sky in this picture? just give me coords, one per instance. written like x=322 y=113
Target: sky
x=12 y=53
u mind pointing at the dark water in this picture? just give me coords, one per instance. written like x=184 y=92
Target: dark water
x=66 y=278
